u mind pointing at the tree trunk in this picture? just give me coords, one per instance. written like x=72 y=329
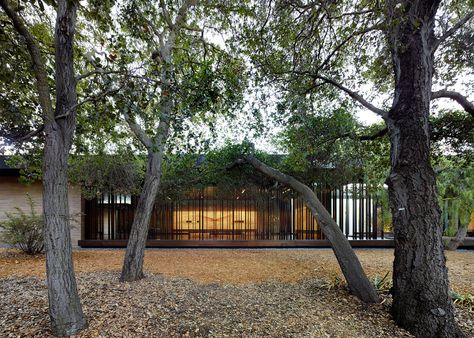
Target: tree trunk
x=133 y=262
x=357 y=280
x=65 y=308
x=453 y=243
x=421 y=302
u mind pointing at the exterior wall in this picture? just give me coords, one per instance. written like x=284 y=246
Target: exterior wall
x=245 y=214
x=13 y=194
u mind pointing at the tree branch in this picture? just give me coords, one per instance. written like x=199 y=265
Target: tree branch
x=462 y=100
x=343 y=42
x=138 y=131
x=181 y=16
x=166 y=14
x=95 y=72
x=374 y=136
x=193 y=29
x=353 y=136
x=58 y=117
x=354 y=95
x=24 y=138
x=39 y=70
x=101 y=95
x=155 y=30
x=367 y=11
x=452 y=30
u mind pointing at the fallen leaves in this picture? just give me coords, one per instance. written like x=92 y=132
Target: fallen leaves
x=212 y=293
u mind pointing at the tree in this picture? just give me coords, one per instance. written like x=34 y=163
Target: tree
x=357 y=280
x=421 y=294
x=65 y=308
x=306 y=46
x=185 y=77
x=133 y=262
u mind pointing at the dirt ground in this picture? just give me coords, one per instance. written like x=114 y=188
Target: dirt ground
x=214 y=293
x=237 y=266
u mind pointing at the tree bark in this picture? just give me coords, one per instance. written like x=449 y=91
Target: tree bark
x=357 y=281
x=133 y=263
x=65 y=308
x=453 y=243
x=132 y=269
x=421 y=302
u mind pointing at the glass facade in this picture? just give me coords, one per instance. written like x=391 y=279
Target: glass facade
x=250 y=213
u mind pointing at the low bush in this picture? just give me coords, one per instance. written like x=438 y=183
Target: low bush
x=24 y=230
x=382 y=284
x=462 y=300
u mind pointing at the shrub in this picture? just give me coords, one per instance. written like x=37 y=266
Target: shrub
x=382 y=284
x=24 y=230
x=462 y=300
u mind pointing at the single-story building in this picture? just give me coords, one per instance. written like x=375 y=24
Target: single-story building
x=14 y=194
x=252 y=216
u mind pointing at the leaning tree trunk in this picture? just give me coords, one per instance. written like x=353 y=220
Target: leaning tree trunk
x=455 y=242
x=421 y=302
x=132 y=269
x=357 y=280
x=133 y=262
x=65 y=308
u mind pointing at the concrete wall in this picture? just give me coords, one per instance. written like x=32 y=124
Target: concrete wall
x=13 y=194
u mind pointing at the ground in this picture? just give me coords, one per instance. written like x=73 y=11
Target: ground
x=216 y=293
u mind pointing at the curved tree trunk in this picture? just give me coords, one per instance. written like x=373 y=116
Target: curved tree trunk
x=454 y=243
x=133 y=262
x=65 y=308
x=357 y=280
x=421 y=302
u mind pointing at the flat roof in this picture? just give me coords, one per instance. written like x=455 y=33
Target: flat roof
x=5 y=169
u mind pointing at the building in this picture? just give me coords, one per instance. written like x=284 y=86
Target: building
x=14 y=194
x=250 y=216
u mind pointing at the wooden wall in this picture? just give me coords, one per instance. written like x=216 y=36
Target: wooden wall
x=13 y=194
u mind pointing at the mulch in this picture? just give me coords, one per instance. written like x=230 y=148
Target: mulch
x=213 y=293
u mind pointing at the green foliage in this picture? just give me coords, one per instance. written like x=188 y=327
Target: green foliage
x=30 y=163
x=327 y=148
x=24 y=230
x=375 y=155
x=116 y=174
x=462 y=300
x=383 y=284
x=182 y=172
x=18 y=97
x=452 y=132
x=455 y=181
x=316 y=148
x=207 y=80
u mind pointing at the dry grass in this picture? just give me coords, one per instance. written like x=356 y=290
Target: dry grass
x=237 y=266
